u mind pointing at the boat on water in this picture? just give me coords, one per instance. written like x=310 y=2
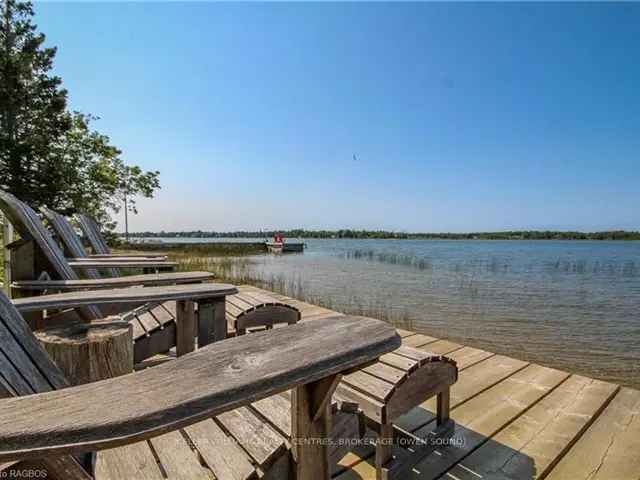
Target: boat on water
x=280 y=245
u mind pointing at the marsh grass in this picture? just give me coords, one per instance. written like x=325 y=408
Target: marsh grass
x=218 y=249
x=413 y=261
x=241 y=270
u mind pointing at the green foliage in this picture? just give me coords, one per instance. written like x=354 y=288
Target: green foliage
x=48 y=155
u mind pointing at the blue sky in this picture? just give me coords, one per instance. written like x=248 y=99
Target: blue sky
x=461 y=117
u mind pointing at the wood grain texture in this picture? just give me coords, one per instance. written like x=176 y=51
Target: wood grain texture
x=25 y=369
x=223 y=455
x=179 y=461
x=91 y=231
x=133 y=263
x=89 y=352
x=603 y=452
x=185 y=327
x=28 y=224
x=529 y=446
x=311 y=423
x=124 y=295
x=70 y=241
x=215 y=379
x=257 y=437
x=477 y=420
x=152 y=279
x=128 y=462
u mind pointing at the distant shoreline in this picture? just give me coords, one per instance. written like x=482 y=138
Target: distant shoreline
x=386 y=235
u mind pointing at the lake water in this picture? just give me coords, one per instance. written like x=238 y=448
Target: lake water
x=573 y=305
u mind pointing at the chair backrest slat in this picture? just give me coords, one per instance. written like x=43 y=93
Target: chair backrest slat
x=24 y=364
x=70 y=239
x=25 y=369
x=26 y=221
x=91 y=230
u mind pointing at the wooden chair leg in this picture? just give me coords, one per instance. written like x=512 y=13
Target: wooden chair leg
x=185 y=327
x=311 y=428
x=443 y=406
x=384 y=449
x=212 y=323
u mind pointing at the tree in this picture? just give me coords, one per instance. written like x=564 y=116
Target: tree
x=92 y=177
x=48 y=155
x=32 y=105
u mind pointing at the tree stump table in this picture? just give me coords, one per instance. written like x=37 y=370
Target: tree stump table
x=88 y=352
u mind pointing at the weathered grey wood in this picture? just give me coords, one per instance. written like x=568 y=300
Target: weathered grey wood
x=532 y=444
x=215 y=379
x=26 y=262
x=134 y=461
x=258 y=438
x=444 y=405
x=7 y=238
x=430 y=379
x=179 y=461
x=159 y=341
x=133 y=263
x=73 y=244
x=185 y=327
x=125 y=259
x=253 y=310
x=609 y=448
x=27 y=223
x=311 y=422
x=150 y=280
x=25 y=369
x=91 y=231
x=212 y=323
x=224 y=457
x=384 y=450
x=125 y=295
x=277 y=409
x=128 y=254
x=88 y=352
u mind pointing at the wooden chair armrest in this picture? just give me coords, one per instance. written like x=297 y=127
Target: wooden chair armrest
x=151 y=279
x=121 y=258
x=200 y=291
x=115 y=256
x=217 y=378
x=84 y=263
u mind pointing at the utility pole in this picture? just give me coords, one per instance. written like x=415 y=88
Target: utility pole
x=126 y=219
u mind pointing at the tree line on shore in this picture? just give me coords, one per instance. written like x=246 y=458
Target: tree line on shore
x=383 y=234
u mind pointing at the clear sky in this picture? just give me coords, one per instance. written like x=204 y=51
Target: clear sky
x=461 y=117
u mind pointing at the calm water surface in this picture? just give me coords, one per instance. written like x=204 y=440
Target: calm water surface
x=573 y=305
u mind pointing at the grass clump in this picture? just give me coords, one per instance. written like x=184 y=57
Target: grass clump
x=413 y=261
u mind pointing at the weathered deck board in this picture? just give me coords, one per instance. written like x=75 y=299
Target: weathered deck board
x=499 y=401
x=533 y=443
x=603 y=451
x=177 y=458
x=222 y=455
x=132 y=461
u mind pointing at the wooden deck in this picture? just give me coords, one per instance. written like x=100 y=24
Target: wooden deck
x=514 y=420
x=518 y=420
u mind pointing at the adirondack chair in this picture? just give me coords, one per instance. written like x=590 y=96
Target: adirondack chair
x=43 y=419
x=73 y=247
x=36 y=254
x=243 y=311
